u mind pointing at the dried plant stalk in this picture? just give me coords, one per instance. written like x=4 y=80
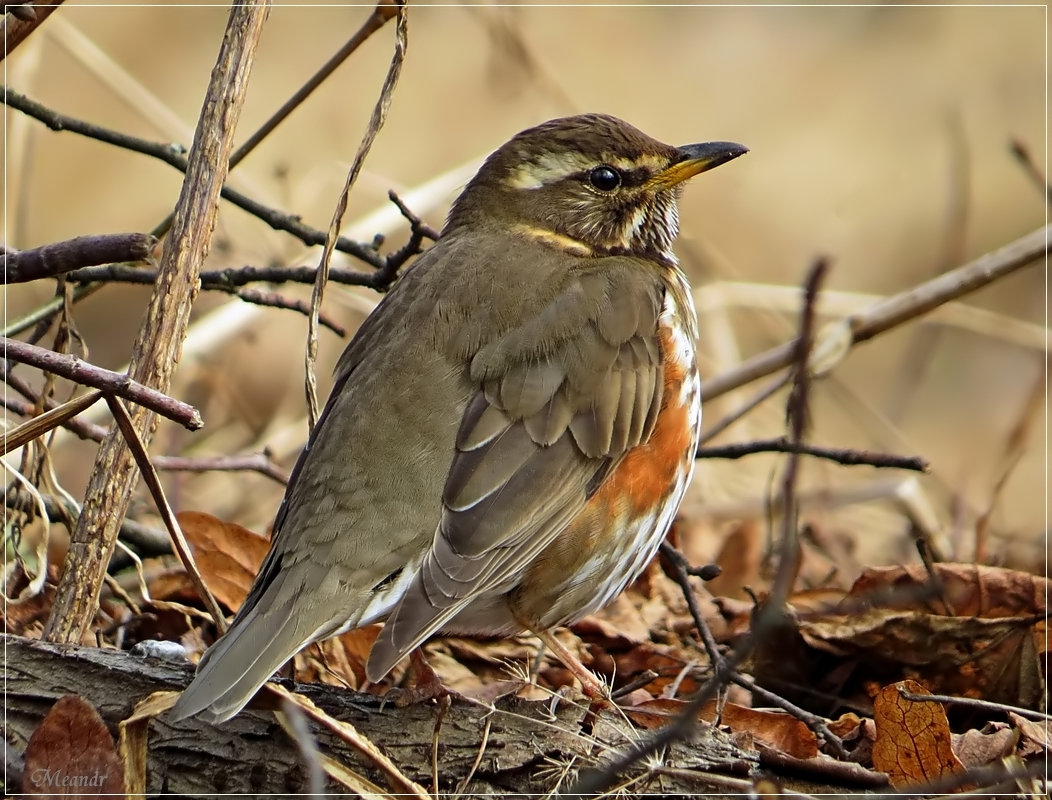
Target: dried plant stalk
x=159 y=343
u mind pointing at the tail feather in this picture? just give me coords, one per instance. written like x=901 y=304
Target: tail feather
x=253 y=649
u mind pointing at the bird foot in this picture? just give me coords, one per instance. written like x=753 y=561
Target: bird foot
x=423 y=684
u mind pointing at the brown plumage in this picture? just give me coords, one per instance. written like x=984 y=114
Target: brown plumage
x=510 y=431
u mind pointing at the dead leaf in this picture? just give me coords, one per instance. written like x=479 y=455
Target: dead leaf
x=913 y=743
x=620 y=624
x=976 y=748
x=71 y=754
x=740 y=559
x=776 y=729
x=228 y=555
x=1033 y=736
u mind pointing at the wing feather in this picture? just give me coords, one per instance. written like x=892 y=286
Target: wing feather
x=554 y=410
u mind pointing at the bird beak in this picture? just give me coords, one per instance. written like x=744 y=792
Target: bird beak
x=695 y=158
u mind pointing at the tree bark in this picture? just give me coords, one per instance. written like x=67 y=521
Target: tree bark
x=525 y=753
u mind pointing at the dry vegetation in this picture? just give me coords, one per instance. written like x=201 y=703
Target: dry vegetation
x=891 y=142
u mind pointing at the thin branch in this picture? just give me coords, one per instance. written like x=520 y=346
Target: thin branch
x=376 y=121
x=381 y=14
x=898 y=309
x=261 y=297
x=974 y=702
x=840 y=455
x=172 y=155
x=252 y=462
x=146 y=540
x=164 y=508
x=39 y=424
x=26 y=18
x=1033 y=171
x=225 y=280
x=118 y=383
x=158 y=345
x=56 y=258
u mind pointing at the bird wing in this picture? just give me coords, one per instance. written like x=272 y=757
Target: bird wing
x=555 y=407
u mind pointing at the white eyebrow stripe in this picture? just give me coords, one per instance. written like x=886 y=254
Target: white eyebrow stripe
x=547 y=169
x=552 y=167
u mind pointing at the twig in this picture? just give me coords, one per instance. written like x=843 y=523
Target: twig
x=768 y=616
x=73 y=369
x=815 y=723
x=463 y=785
x=381 y=14
x=681 y=568
x=172 y=155
x=1012 y=453
x=252 y=462
x=261 y=297
x=376 y=122
x=82 y=428
x=84 y=251
x=153 y=483
x=224 y=280
x=14 y=31
x=900 y=308
x=825 y=769
x=1022 y=155
x=973 y=702
x=841 y=455
x=39 y=424
x=160 y=338
x=347 y=732
x=146 y=540
x=722 y=424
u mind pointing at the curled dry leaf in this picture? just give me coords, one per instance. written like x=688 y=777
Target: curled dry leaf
x=977 y=748
x=1033 y=737
x=227 y=555
x=980 y=633
x=71 y=754
x=913 y=744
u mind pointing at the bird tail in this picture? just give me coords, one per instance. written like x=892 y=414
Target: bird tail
x=254 y=648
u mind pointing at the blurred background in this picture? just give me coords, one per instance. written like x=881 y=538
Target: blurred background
x=879 y=136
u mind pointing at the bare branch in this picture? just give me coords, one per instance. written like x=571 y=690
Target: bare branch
x=84 y=251
x=153 y=483
x=379 y=116
x=252 y=462
x=841 y=455
x=118 y=383
x=27 y=17
x=161 y=336
x=900 y=308
x=262 y=297
x=172 y=155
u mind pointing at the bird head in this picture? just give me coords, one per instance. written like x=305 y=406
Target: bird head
x=591 y=184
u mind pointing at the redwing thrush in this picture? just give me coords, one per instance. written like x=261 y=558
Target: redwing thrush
x=510 y=432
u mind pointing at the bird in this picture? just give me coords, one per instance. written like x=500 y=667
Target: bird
x=510 y=432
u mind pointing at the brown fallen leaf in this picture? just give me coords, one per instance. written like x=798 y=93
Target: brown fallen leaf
x=228 y=555
x=977 y=748
x=1033 y=736
x=776 y=729
x=913 y=744
x=71 y=754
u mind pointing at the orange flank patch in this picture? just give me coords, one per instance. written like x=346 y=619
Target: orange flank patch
x=647 y=473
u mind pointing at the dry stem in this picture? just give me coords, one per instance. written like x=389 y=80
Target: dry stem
x=160 y=338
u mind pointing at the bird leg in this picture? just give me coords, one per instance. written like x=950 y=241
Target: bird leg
x=593 y=688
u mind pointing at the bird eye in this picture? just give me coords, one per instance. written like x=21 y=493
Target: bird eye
x=604 y=178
